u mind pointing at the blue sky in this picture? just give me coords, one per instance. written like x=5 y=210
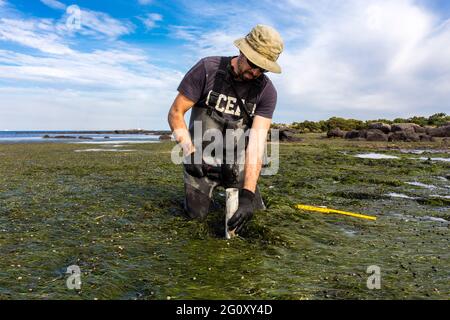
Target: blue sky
x=363 y=59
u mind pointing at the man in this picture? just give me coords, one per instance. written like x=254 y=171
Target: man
x=228 y=93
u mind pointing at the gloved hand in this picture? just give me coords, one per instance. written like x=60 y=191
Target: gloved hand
x=195 y=170
x=244 y=212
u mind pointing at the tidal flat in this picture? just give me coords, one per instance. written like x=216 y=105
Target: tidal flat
x=118 y=216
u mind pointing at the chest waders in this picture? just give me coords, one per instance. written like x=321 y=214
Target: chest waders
x=207 y=116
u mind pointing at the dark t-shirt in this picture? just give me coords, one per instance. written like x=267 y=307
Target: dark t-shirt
x=199 y=81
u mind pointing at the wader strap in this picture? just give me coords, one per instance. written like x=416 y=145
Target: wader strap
x=253 y=92
x=248 y=119
x=219 y=81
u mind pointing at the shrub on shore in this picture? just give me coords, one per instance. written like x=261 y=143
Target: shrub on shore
x=436 y=120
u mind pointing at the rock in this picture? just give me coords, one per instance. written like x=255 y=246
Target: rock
x=443 y=131
x=63 y=137
x=420 y=129
x=445 y=142
x=428 y=128
x=363 y=133
x=106 y=137
x=46 y=136
x=356 y=134
x=165 y=137
x=425 y=137
x=376 y=135
x=352 y=134
x=288 y=135
x=336 y=133
x=407 y=126
x=407 y=135
x=85 y=138
x=384 y=127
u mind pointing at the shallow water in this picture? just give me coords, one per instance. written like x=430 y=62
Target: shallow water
x=422 y=151
x=423 y=185
x=117 y=141
x=37 y=137
x=433 y=159
x=375 y=156
x=399 y=195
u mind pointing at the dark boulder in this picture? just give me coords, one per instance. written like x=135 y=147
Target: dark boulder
x=407 y=135
x=376 y=135
x=407 y=127
x=420 y=130
x=336 y=133
x=63 y=137
x=352 y=134
x=384 y=127
x=286 y=136
x=425 y=137
x=443 y=131
x=46 y=136
x=356 y=134
x=85 y=138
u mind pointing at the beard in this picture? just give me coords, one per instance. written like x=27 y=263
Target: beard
x=244 y=75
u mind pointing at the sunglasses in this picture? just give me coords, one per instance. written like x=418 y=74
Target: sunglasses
x=254 y=66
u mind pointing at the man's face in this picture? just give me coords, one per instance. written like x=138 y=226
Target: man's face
x=246 y=72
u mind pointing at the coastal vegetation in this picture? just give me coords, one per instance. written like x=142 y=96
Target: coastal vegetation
x=118 y=216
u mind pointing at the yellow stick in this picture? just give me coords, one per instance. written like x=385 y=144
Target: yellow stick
x=326 y=210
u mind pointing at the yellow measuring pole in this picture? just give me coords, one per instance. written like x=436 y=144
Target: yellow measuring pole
x=326 y=210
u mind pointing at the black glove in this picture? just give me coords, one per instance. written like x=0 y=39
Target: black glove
x=244 y=212
x=195 y=170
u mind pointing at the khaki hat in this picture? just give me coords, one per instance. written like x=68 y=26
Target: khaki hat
x=262 y=46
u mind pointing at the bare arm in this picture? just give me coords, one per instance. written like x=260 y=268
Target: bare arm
x=255 y=151
x=177 y=123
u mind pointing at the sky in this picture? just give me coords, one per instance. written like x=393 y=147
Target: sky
x=116 y=64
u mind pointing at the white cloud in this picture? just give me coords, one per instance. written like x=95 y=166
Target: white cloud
x=204 y=43
x=37 y=34
x=151 y=19
x=108 y=69
x=106 y=89
x=50 y=36
x=362 y=59
x=54 y=4
x=369 y=58
x=352 y=58
x=111 y=88
x=99 y=24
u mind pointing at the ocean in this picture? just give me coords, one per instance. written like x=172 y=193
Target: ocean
x=97 y=137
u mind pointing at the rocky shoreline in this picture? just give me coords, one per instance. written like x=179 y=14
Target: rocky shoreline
x=409 y=132
x=163 y=134
x=131 y=131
